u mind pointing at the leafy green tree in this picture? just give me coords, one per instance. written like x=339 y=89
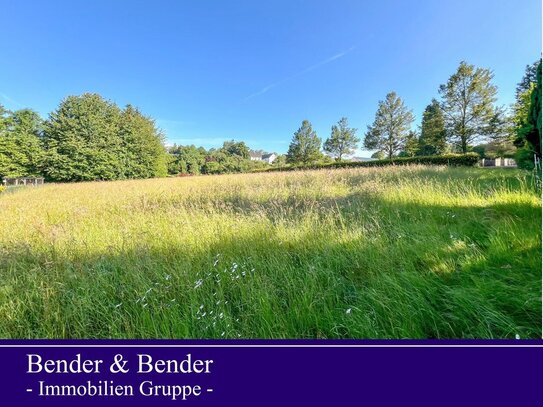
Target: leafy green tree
x=225 y=163
x=480 y=150
x=493 y=150
x=468 y=104
x=433 y=137
x=280 y=161
x=238 y=148
x=411 y=146
x=521 y=108
x=82 y=140
x=212 y=167
x=256 y=165
x=528 y=80
x=527 y=119
x=524 y=155
x=533 y=133
x=378 y=155
x=391 y=126
x=142 y=146
x=26 y=121
x=186 y=160
x=4 y=117
x=89 y=138
x=21 y=150
x=342 y=141
x=325 y=159
x=7 y=145
x=305 y=145
x=27 y=126
x=501 y=134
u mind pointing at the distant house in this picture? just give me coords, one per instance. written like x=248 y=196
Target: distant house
x=255 y=156
x=269 y=158
x=266 y=157
x=498 y=162
x=361 y=159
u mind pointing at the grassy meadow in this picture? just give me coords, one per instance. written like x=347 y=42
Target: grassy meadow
x=396 y=252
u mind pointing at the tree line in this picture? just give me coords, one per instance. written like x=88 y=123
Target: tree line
x=232 y=157
x=89 y=138
x=465 y=117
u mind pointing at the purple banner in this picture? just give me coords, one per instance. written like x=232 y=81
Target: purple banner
x=270 y=373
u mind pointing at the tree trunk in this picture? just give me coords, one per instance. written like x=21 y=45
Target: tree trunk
x=464 y=145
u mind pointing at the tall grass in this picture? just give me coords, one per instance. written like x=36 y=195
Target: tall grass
x=411 y=252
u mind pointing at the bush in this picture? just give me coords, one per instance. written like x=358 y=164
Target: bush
x=453 y=160
x=525 y=158
x=212 y=167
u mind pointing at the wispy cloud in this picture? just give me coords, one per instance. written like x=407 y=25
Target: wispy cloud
x=302 y=72
x=10 y=100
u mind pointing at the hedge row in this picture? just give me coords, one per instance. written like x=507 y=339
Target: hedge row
x=456 y=160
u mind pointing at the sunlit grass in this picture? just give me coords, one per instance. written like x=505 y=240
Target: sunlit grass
x=410 y=252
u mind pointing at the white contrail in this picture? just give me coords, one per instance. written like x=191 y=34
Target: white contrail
x=10 y=100
x=304 y=71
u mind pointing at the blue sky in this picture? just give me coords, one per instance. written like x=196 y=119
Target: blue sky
x=210 y=71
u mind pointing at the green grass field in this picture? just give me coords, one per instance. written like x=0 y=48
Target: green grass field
x=396 y=252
